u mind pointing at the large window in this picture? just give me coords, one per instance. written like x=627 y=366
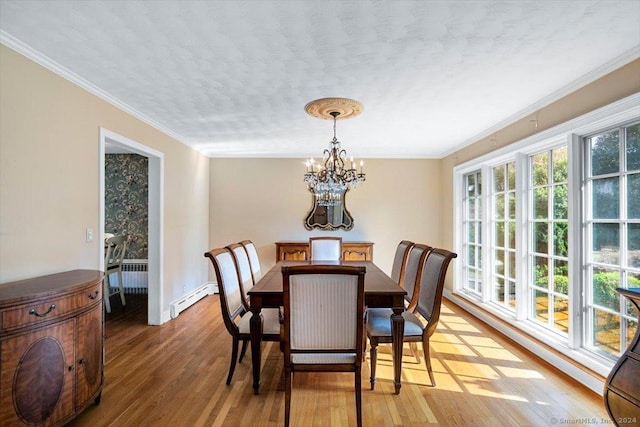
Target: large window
x=613 y=236
x=504 y=235
x=472 y=224
x=555 y=230
x=548 y=251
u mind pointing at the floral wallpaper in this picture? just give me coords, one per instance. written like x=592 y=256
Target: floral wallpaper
x=127 y=200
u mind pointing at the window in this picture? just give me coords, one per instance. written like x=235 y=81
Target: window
x=554 y=230
x=613 y=235
x=548 y=251
x=504 y=235
x=472 y=224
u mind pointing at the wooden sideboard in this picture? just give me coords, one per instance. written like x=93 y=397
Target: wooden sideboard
x=351 y=251
x=621 y=391
x=51 y=347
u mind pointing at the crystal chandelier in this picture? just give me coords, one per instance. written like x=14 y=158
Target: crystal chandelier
x=330 y=179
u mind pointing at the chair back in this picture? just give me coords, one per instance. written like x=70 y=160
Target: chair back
x=400 y=260
x=413 y=269
x=431 y=286
x=243 y=268
x=325 y=248
x=116 y=248
x=231 y=304
x=323 y=311
x=254 y=261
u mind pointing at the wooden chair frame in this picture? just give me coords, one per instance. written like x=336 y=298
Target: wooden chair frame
x=230 y=318
x=355 y=366
x=429 y=305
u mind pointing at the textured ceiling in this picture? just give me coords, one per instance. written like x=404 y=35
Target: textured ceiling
x=231 y=78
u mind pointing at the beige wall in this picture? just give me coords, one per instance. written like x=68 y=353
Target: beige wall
x=49 y=180
x=265 y=200
x=617 y=85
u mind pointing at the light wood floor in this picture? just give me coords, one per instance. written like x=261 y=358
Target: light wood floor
x=174 y=375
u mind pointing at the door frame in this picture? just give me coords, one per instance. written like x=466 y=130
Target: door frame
x=155 y=219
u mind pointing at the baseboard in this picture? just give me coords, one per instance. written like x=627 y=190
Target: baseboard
x=191 y=298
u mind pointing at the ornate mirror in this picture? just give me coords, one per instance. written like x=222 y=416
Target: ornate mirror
x=329 y=216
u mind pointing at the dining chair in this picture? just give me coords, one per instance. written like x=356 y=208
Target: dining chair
x=325 y=248
x=254 y=260
x=431 y=283
x=322 y=327
x=235 y=316
x=115 y=248
x=415 y=257
x=243 y=268
x=400 y=260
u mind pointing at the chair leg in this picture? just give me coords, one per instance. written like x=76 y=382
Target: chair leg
x=121 y=288
x=427 y=359
x=358 y=396
x=105 y=296
x=373 y=356
x=414 y=351
x=234 y=357
x=243 y=350
x=287 y=396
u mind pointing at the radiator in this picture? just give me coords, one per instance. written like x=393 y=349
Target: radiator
x=135 y=278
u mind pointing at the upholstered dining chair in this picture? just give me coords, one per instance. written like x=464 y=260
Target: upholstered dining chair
x=254 y=260
x=115 y=248
x=322 y=328
x=431 y=283
x=400 y=260
x=325 y=248
x=243 y=268
x=415 y=257
x=235 y=316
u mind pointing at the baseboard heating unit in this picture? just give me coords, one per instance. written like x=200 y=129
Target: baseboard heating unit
x=191 y=298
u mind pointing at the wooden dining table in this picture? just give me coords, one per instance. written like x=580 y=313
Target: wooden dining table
x=379 y=291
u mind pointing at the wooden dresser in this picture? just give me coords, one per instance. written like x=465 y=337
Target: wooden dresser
x=622 y=389
x=351 y=251
x=51 y=347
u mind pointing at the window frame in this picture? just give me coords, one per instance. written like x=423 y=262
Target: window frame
x=569 y=133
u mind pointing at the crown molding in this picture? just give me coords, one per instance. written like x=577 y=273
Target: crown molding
x=621 y=60
x=43 y=60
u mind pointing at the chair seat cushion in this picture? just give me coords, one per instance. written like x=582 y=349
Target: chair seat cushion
x=270 y=321
x=322 y=358
x=379 y=324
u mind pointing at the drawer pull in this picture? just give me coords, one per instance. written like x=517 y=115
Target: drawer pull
x=94 y=295
x=35 y=313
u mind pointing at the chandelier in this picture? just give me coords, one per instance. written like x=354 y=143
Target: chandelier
x=331 y=178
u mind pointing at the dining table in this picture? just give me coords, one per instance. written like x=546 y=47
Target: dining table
x=379 y=291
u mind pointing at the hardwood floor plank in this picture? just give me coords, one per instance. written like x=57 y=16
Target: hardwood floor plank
x=174 y=375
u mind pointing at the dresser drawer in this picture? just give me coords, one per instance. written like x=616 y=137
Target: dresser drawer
x=47 y=309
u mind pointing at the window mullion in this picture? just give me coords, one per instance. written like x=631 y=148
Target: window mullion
x=523 y=206
x=487 y=233
x=575 y=236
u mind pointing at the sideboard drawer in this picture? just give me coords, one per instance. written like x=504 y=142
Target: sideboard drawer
x=47 y=309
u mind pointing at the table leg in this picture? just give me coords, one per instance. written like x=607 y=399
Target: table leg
x=397 y=334
x=255 y=328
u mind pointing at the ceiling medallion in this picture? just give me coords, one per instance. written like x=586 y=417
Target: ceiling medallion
x=345 y=107
x=330 y=179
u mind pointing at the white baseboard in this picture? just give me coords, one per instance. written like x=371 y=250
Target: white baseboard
x=191 y=298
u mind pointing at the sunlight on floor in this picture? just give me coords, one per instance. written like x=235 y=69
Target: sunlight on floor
x=463 y=361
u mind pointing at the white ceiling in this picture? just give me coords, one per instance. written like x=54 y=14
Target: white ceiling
x=231 y=78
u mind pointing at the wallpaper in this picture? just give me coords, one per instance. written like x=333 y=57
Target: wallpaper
x=127 y=199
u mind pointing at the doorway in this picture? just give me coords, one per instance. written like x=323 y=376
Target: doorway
x=111 y=141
